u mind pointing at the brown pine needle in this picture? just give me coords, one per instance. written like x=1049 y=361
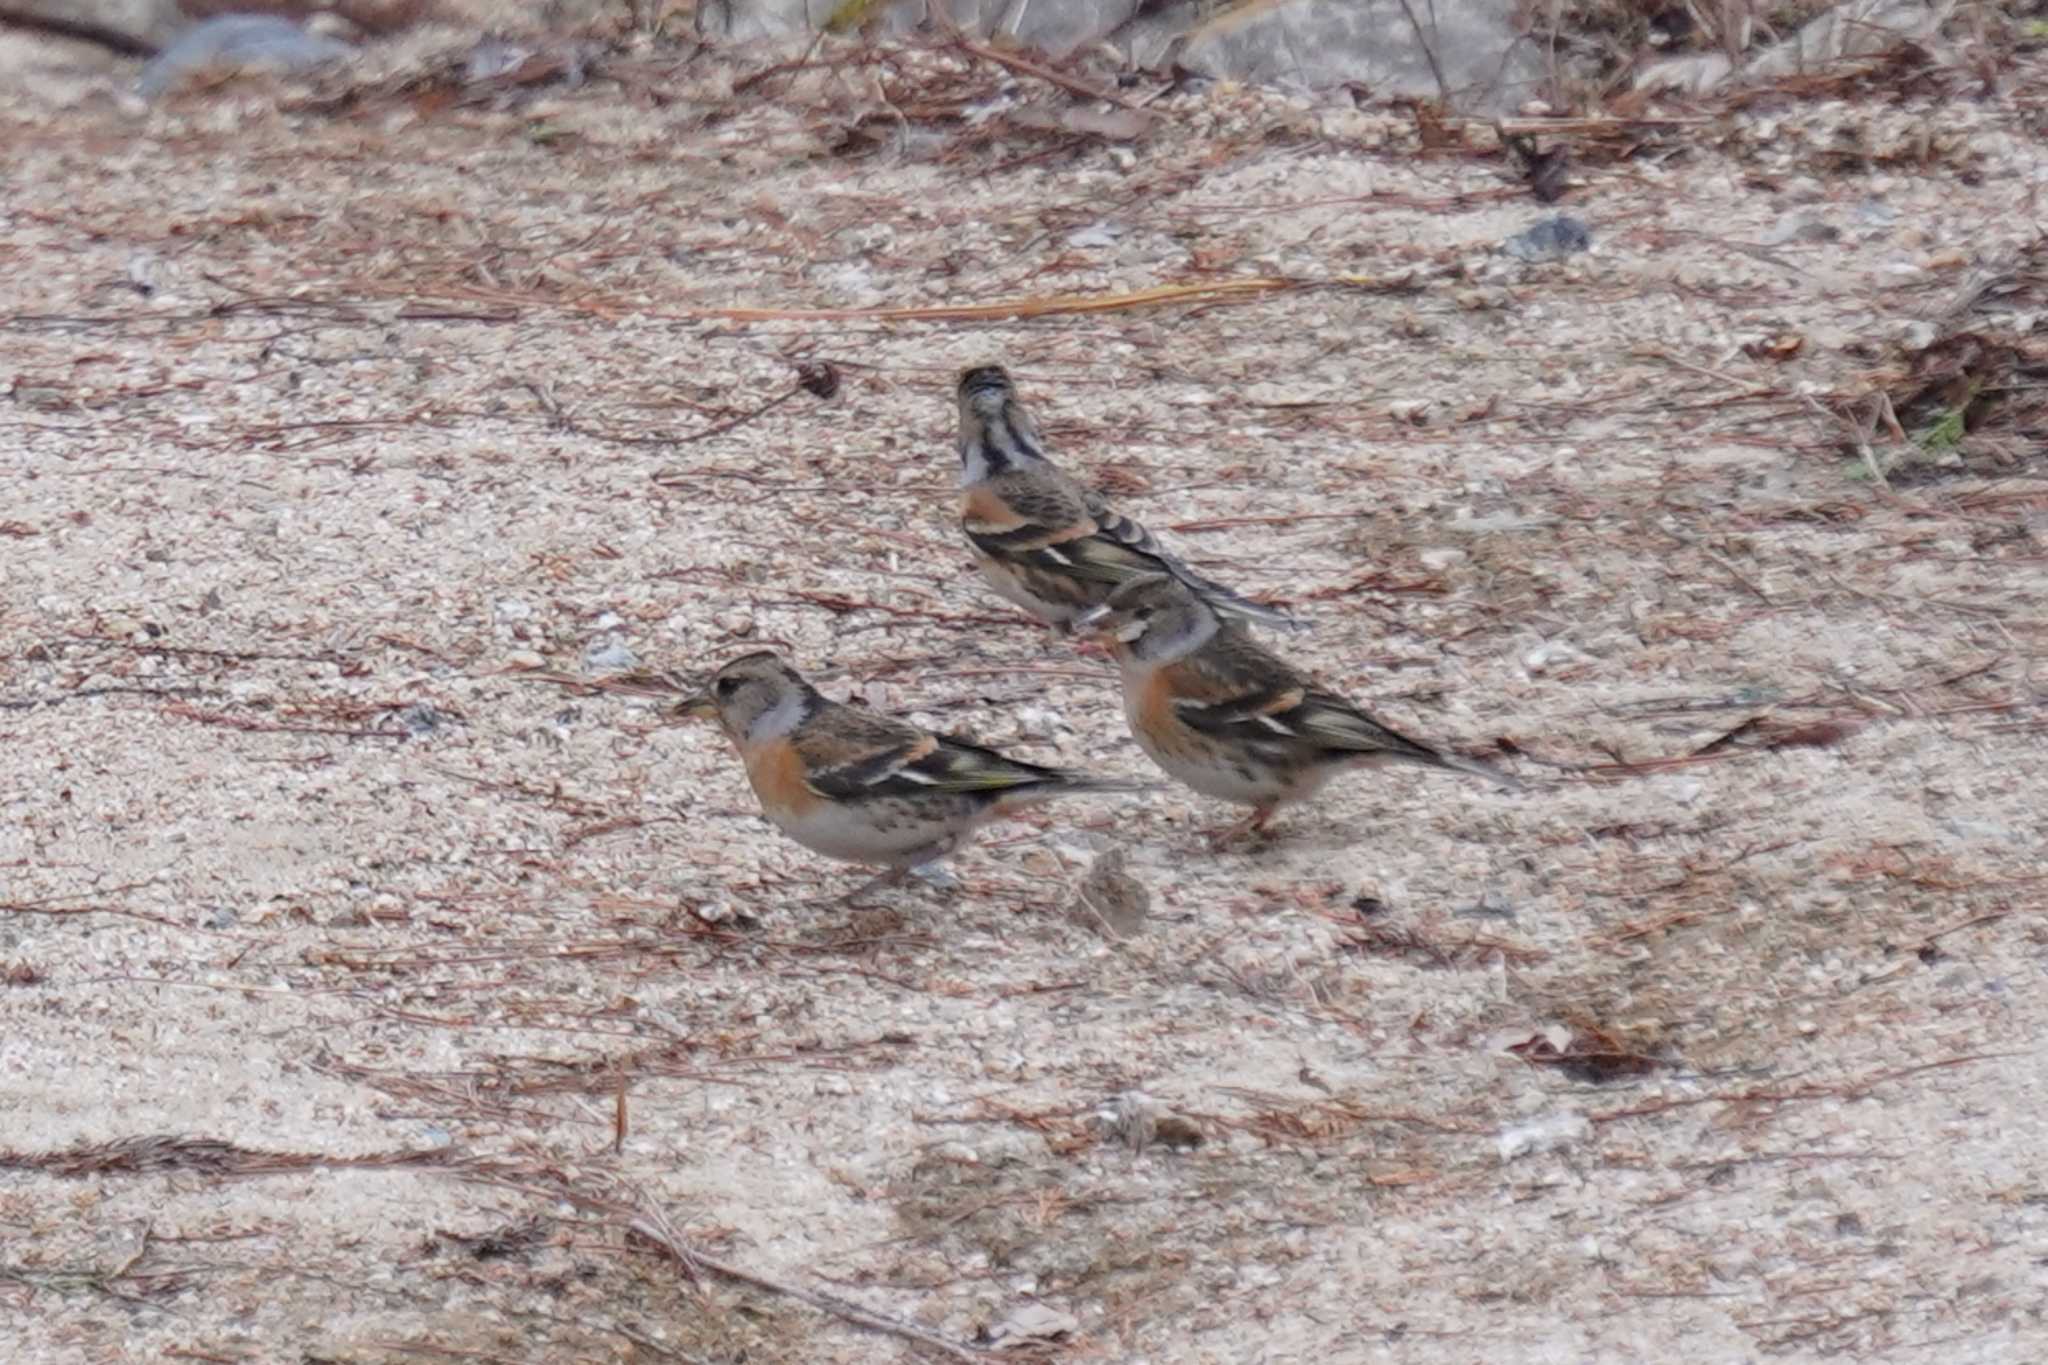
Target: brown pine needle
x=1056 y=305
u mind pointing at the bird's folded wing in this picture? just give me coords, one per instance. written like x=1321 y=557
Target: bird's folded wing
x=1258 y=711
x=1052 y=528
x=1248 y=696
x=1336 y=724
x=917 y=763
x=1053 y=525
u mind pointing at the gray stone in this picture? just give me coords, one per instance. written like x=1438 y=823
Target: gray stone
x=1856 y=28
x=420 y=720
x=1056 y=27
x=1476 y=45
x=1308 y=44
x=241 y=41
x=1549 y=239
x=608 y=656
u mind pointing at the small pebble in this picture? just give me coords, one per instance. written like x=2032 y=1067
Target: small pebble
x=1550 y=239
x=936 y=877
x=609 y=656
x=420 y=720
x=1095 y=235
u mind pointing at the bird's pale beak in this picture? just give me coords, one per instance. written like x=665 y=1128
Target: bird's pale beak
x=1094 y=621
x=699 y=707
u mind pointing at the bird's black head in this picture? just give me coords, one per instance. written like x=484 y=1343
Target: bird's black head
x=995 y=431
x=985 y=383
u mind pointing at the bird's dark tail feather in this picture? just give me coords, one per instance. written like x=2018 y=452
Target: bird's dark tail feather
x=1472 y=766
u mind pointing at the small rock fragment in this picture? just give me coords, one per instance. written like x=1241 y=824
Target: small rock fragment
x=1095 y=236
x=609 y=656
x=493 y=57
x=937 y=877
x=1548 y=1134
x=1031 y=1324
x=1547 y=655
x=714 y=912
x=1550 y=239
x=1490 y=905
x=1918 y=334
x=1799 y=227
x=420 y=720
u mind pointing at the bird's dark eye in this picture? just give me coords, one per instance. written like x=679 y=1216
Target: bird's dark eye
x=725 y=687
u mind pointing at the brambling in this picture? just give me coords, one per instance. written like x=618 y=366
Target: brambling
x=861 y=787
x=1042 y=540
x=1230 y=719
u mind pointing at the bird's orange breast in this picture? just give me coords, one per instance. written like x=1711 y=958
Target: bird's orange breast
x=981 y=510
x=1155 y=704
x=776 y=771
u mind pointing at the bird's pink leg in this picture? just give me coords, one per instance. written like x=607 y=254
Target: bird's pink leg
x=1252 y=824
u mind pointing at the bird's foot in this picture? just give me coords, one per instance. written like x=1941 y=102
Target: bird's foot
x=851 y=899
x=1252 y=827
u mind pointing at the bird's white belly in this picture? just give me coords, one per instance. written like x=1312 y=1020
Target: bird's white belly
x=879 y=833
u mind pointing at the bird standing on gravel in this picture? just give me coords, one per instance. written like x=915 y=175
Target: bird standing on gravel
x=861 y=787
x=1042 y=540
x=1229 y=719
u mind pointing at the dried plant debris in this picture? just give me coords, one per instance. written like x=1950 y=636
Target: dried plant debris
x=518 y=1239
x=1138 y=1121
x=1546 y=169
x=1769 y=732
x=1585 y=1051
x=164 y=1153
x=1971 y=398
x=1434 y=947
x=1109 y=899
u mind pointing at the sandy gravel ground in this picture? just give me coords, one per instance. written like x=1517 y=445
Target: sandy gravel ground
x=337 y=931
